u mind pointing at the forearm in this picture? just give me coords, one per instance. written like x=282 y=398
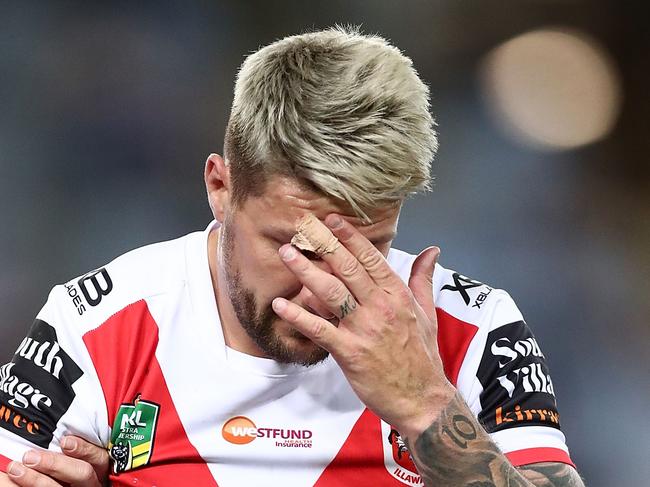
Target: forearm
x=455 y=450
x=552 y=475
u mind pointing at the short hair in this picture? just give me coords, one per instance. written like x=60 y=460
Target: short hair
x=343 y=112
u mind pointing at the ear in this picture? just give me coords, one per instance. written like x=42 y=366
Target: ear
x=217 y=185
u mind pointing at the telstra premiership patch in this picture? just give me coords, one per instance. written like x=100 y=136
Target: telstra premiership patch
x=133 y=435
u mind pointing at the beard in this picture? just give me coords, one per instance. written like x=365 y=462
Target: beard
x=259 y=324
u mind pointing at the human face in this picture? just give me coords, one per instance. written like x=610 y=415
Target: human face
x=253 y=273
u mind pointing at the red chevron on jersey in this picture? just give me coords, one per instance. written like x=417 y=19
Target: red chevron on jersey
x=129 y=369
x=4 y=462
x=454 y=337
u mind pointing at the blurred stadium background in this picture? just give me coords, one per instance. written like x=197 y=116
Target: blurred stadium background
x=108 y=110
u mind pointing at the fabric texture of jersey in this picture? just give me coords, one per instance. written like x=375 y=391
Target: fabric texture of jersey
x=132 y=356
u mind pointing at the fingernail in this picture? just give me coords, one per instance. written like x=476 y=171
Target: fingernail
x=68 y=444
x=279 y=304
x=16 y=469
x=334 y=222
x=436 y=250
x=287 y=252
x=31 y=458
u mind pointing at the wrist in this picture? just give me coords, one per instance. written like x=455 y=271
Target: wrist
x=430 y=406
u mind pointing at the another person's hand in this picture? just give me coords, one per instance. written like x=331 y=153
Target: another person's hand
x=81 y=464
x=386 y=339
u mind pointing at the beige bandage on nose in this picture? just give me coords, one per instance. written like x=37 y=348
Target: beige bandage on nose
x=314 y=236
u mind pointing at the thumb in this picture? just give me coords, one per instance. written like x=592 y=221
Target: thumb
x=421 y=280
x=96 y=456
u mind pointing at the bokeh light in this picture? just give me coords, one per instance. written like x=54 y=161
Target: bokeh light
x=552 y=89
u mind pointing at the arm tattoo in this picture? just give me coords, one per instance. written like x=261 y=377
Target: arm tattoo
x=456 y=451
x=551 y=475
x=348 y=306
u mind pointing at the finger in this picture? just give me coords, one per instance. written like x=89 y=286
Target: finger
x=60 y=467
x=326 y=287
x=421 y=280
x=370 y=258
x=346 y=266
x=311 y=303
x=81 y=449
x=19 y=474
x=318 y=330
x=341 y=261
x=5 y=481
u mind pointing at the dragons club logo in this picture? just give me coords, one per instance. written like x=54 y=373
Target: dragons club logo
x=397 y=459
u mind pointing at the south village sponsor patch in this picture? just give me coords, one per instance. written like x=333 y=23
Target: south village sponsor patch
x=36 y=386
x=133 y=435
x=517 y=386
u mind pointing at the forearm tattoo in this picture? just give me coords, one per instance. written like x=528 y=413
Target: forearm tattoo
x=552 y=475
x=456 y=451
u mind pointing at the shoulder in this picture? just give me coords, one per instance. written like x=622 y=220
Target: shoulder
x=461 y=297
x=93 y=297
x=468 y=314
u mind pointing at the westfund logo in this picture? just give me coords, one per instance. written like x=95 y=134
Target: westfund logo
x=36 y=386
x=241 y=430
x=517 y=387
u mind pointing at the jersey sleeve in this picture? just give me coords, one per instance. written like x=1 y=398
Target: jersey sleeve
x=514 y=396
x=49 y=388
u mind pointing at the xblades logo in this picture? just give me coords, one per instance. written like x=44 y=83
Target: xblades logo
x=462 y=283
x=93 y=288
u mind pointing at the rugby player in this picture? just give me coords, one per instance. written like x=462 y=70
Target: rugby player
x=233 y=357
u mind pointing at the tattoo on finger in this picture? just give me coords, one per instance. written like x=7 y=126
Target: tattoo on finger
x=348 y=306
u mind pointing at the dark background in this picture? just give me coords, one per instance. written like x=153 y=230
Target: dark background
x=109 y=109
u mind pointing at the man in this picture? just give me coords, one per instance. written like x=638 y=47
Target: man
x=228 y=357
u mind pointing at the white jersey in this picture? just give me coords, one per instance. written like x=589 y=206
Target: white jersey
x=132 y=356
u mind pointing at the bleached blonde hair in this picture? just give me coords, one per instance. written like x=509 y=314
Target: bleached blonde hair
x=345 y=113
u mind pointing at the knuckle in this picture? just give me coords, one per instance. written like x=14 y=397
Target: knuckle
x=346 y=233
x=85 y=472
x=30 y=478
x=357 y=356
x=302 y=266
x=387 y=312
x=35 y=479
x=318 y=330
x=335 y=293
x=99 y=457
x=349 y=268
x=370 y=257
x=49 y=462
x=404 y=296
x=293 y=313
x=375 y=295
